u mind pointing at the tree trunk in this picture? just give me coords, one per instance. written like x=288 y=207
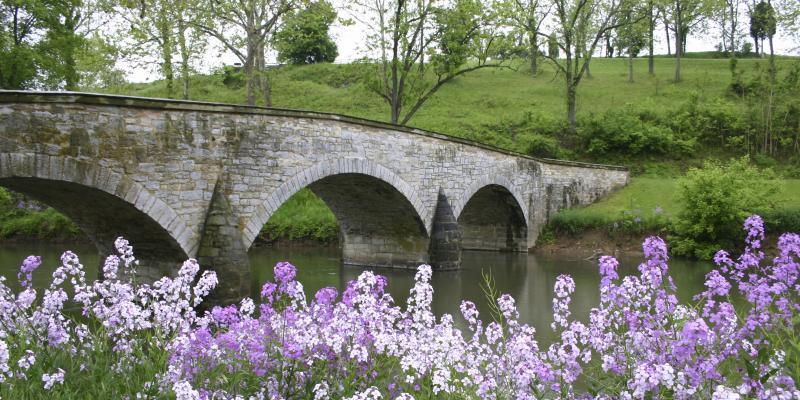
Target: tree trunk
x=249 y=73
x=678 y=54
x=572 y=120
x=669 y=46
x=534 y=53
x=571 y=106
x=184 y=59
x=630 y=66
x=771 y=49
x=266 y=90
x=588 y=70
x=652 y=27
x=71 y=76
x=165 y=34
x=755 y=39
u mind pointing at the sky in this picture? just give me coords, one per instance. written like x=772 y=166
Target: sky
x=350 y=41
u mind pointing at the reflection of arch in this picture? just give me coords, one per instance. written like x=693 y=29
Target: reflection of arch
x=492 y=217
x=329 y=169
x=66 y=184
x=484 y=181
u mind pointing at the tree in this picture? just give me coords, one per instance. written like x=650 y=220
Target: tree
x=751 y=9
x=552 y=47
x=96 y=64
x=39 y=42
x=20 y=22
x=631 y=35
x=244 y=27
x=580 y=24
x=526 y=18
x=729 y=21
x=684 y=16
x=457 y=37
x=304 y=37
x=158 y=31
x=763 y=24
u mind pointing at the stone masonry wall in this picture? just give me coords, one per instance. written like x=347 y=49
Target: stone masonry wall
x=386 y=184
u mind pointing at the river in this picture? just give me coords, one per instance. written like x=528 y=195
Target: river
x=527 y=277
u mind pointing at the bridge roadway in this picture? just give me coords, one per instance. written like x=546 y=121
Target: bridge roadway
x=186 y=179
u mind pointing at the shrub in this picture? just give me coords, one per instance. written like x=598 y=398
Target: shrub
x=623 y=133
x=715 y=198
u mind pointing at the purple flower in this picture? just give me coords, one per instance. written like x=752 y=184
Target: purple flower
x=284 y=272
x=26 y=269
x=326 y=296
x=608 y=270
x=267 y=291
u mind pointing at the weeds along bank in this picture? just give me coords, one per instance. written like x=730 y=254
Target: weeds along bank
x=142 y=341
x=698 y=212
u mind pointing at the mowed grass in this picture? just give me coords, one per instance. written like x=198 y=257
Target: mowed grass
x=484 y=97
x=655 y=201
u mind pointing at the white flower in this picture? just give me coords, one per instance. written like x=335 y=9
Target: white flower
x=52 y=379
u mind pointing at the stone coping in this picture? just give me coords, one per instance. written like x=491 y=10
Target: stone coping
x=23 y=96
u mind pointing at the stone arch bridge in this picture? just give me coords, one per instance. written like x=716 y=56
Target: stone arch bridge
x=190 y=179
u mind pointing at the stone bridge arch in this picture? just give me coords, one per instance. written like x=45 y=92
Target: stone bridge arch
x=105 y=204
x=492 y=215
x=383 y=221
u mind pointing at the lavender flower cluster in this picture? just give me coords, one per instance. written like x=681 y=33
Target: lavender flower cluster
x=738 y=341
x=116 y=315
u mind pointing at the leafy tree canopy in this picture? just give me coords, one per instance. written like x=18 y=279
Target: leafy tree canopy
x=304 y=38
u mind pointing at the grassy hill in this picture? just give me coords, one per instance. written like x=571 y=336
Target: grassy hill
x=485 y=97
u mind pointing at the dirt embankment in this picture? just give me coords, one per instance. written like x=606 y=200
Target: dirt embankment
x=592 y=244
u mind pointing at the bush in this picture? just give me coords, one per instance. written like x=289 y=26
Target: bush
x=715 y=199
x=782 y=219
x=624 y=133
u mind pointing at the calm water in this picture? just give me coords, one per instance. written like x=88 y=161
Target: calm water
x=527 y=277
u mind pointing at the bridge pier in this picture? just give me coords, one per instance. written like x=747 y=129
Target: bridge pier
x=445 y=248
x=222 y=250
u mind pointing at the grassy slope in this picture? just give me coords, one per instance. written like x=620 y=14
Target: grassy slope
x=485 y=97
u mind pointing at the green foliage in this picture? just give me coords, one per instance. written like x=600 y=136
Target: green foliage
x=304 y=37
x=21 y=217
x=782 y=219
x=626 y=132
x=715 y=200
x=762 y=21
x=38 y=44
x=552 y=47
x=303 y=217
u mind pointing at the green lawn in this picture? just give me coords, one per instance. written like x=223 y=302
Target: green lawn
x=654 y=201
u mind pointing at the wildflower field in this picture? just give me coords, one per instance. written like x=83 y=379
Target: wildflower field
x=115 y=338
